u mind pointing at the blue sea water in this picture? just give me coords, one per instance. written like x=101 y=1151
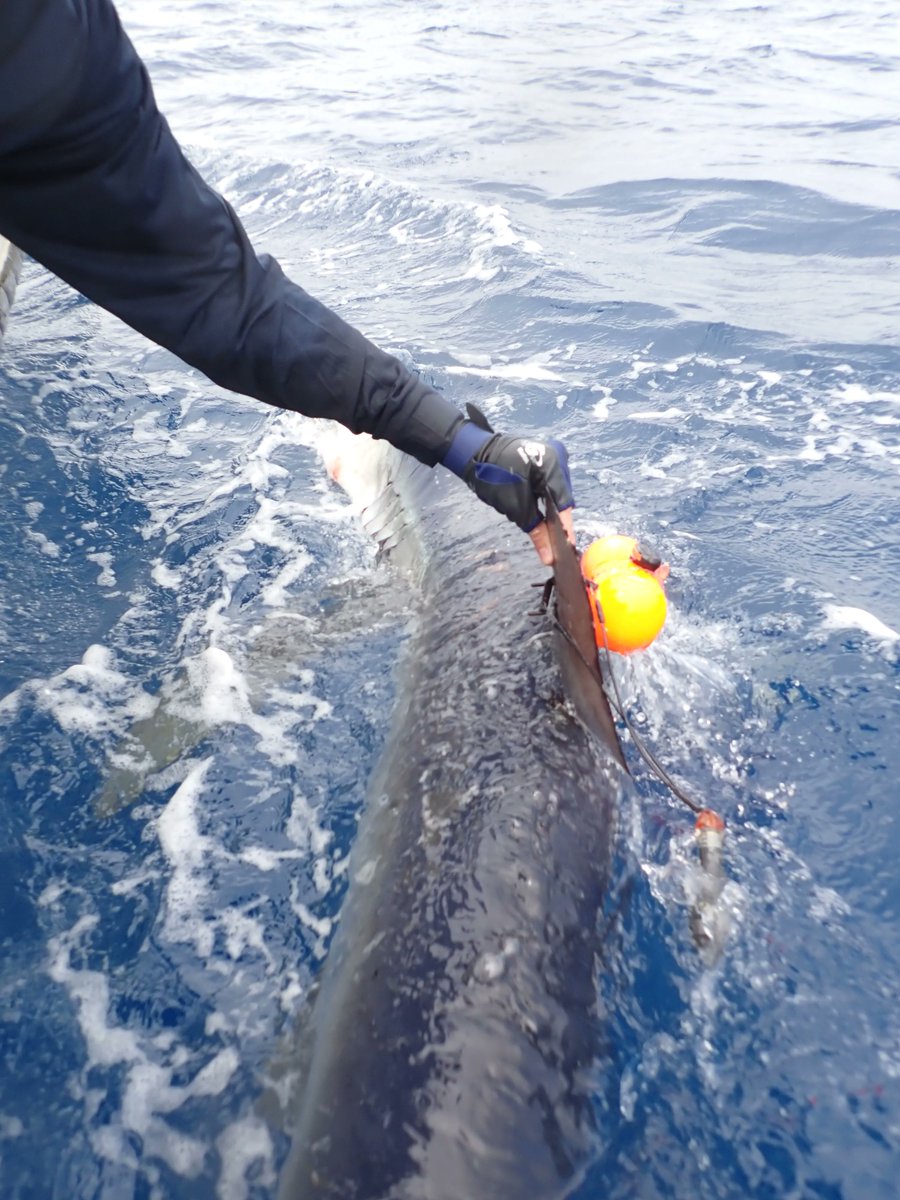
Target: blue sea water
x=669 y=232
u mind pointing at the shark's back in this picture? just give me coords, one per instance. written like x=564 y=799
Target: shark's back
x=452 y=1049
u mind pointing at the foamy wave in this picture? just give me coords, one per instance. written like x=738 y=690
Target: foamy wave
x=90 y=697
x=367 y=212
x=842 y=616
x=146 y=1070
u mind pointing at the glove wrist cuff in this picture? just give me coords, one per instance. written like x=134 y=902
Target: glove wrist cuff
x=467 y=441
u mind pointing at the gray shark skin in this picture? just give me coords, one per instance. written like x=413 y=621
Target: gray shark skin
x=451 y=1051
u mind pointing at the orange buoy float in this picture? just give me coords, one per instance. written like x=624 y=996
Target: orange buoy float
x=628 y=604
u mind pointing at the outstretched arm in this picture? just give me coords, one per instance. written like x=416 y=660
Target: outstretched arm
x=94 y=186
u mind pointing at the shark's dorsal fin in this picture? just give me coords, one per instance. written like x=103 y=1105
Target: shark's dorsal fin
x=577 y=650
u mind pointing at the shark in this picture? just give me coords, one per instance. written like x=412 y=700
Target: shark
x=453 y=1046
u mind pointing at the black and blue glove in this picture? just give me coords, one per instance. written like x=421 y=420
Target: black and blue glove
x=510 y=473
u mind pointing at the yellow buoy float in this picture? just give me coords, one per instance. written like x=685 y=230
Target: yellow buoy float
x=628 y=604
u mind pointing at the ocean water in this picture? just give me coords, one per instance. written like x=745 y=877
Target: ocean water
x=671 y=234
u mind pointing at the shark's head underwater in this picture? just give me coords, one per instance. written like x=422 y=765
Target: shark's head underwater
x=451 y=1049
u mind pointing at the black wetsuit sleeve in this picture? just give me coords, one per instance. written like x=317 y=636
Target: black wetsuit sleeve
x=94 y=186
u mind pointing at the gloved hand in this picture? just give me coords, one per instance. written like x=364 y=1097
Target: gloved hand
x=510 y=473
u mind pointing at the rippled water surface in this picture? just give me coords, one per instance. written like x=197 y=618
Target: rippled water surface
x=669 y=232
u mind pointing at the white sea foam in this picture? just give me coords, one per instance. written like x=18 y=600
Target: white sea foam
x=90 y=697
x=529 y=370
x=494 y=231
x=320 y=927
x=43 y=543
x=842 y=616
x=89 y=991
x=153 y=438
x=601 y=407
x=855 y=393
x=673 y=413
x=165 y=576
x=188 y=853
x=149 y=1091
x=242 y=1145
x=103 y=559
x=215 y=693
